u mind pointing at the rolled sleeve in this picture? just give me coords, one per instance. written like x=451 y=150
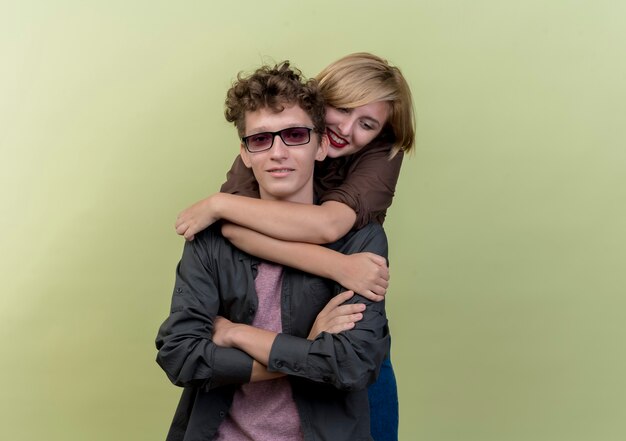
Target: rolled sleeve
x=230 y=366
x=348 y=360
x=289 y=354
x=186 y=351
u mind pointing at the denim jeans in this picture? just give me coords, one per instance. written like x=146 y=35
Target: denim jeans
x=383 y=397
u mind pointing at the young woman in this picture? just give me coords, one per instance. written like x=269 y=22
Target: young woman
x=370 y=125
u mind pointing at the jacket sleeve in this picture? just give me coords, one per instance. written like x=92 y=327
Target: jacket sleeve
x=349 y=360
x=185 y=349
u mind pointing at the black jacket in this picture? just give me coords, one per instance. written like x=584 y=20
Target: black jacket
x=329 y=375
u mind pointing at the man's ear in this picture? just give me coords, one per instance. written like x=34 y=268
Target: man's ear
x=322 y=149
x=244 y=155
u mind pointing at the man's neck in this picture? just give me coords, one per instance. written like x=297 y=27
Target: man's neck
x=300 y=199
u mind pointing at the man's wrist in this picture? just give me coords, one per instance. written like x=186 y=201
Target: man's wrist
x=255 y=342
x=236 y=335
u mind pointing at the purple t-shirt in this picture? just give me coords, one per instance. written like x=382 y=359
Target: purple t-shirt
x=264 y=410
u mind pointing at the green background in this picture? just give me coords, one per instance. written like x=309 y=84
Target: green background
x=507 y=232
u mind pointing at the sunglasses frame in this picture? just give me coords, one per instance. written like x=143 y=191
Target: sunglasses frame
x=244 y=139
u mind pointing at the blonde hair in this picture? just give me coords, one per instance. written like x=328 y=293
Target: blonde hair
x=362 y=78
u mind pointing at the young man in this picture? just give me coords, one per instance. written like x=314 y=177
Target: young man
x=240 y=337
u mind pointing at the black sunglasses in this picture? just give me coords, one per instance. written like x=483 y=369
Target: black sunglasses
x=291 y=136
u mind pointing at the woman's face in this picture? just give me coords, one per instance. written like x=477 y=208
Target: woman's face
x=349 y=130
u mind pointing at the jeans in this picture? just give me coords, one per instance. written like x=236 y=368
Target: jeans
x=383 y=398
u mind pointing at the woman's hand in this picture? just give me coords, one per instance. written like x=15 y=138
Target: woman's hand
x=364 y=273
x=335 y=317
x=197 y=217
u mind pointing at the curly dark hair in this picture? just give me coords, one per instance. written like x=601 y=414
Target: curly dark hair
x=273 y=88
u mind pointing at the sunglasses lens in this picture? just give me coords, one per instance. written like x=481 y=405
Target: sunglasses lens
x=291 y=136
x=295 y=135
x=260 y=141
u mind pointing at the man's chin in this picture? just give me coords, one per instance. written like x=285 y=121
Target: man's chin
x=276 y=191
x=285 y=191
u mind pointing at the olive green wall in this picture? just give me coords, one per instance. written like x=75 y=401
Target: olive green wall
x=507 y=232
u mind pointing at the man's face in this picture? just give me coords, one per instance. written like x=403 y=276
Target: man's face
x=284 y=172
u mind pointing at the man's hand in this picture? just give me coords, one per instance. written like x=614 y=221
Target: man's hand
x=197 y=217
x=364 y=273
x=335 y=317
